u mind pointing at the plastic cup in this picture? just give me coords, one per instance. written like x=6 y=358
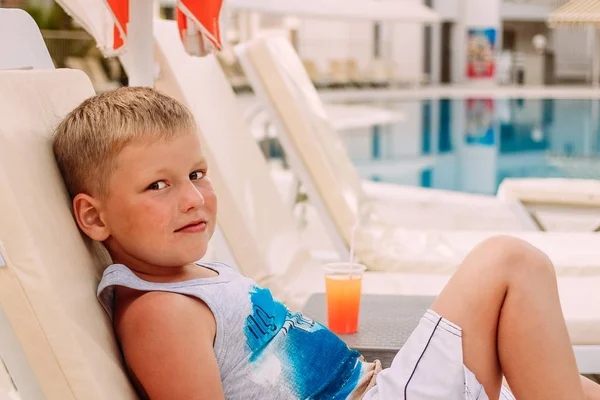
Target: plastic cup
x=343 y=283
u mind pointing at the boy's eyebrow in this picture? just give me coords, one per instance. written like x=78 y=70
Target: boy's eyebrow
x=164 y=170
x=201 y=161
x=160 y=171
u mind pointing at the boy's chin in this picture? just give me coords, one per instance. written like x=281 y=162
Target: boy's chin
x=195 y=255
x=180 y=256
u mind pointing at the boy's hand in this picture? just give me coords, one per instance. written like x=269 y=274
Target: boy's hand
x=167 y=340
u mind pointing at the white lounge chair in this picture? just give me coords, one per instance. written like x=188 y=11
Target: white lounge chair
x=56 y=340
x=7 y=389
x=317 y=155
x=94 y=70
x=557 y=204
x=483 y=212
x=22 y=40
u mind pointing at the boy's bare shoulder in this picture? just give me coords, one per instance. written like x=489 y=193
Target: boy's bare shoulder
x=167 y=340
x=135 y=310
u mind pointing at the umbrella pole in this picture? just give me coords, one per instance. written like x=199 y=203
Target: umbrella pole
x=138 y=58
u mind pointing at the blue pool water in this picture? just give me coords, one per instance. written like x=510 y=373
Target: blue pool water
x=471 y=145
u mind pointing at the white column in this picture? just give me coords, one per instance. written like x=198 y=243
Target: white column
x=254 y=24
x=596 y=58
x=477 y=41
x=436 y=54
x=138 y=57
x=244 y=25
x=249 y=25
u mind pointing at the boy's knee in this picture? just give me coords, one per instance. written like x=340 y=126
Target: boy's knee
x=510 y=254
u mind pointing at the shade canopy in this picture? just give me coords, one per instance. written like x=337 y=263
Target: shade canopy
x=370 y=10
x=576 y=12
x=108 y=21
x=124 y=28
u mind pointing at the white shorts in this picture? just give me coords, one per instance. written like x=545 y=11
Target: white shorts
x=430 y=367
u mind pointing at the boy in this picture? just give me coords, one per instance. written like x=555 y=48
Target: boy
x=132 y=162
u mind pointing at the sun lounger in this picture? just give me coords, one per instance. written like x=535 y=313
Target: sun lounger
x=21 y=38
x=56 y=343
x=56 y=339
x=94 y=70
x=380 y=73
x=557 y=204
x=324 y=141
x=267 y=247
x=338 y=73
x=7 y=389
x=322 y=165
x=98 y=75
x=313 y=71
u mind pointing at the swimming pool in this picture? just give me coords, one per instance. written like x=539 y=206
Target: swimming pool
x=472 y=144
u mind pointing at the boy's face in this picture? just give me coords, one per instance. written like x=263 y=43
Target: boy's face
x=161 y=208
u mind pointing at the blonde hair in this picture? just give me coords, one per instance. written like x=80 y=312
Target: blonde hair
x=90 y=137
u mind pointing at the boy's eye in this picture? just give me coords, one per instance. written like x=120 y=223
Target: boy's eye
x=197 y=175
x=158 y=185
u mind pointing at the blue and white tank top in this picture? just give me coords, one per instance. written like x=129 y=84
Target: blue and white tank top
x=263 y=350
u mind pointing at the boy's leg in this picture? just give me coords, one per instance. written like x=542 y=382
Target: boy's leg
x=590 y=388
x=504 y=296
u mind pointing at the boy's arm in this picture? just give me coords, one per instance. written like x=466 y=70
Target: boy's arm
x=167 y=340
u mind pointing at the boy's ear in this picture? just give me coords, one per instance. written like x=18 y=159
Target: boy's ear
x=88 y=217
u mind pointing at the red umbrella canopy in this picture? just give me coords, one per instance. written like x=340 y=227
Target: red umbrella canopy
x=120 y=13
x=199 y=23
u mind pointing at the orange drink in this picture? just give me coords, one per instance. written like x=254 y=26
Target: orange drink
x=343 y=282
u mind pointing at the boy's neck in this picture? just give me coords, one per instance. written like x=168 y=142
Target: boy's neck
x=158 y=274
x=161 y=274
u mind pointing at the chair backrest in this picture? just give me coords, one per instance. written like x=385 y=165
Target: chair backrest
x=21 y=43
x=258 y=227
x=339 y=72
x=312 y=70
x=79 y=63
x=6 y=385
x=354 y=70
x=98 y=74
x=315 y=150
x=48 y=271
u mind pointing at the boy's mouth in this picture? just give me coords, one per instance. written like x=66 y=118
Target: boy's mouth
x=193 y=227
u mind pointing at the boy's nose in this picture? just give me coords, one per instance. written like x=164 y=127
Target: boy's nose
x=191 y=198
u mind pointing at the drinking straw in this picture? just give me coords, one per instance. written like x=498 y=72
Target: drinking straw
x=352 y=236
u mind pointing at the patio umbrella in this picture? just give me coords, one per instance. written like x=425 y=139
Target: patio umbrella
x=124 y=28
x=580 y=13
x=576 y=12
